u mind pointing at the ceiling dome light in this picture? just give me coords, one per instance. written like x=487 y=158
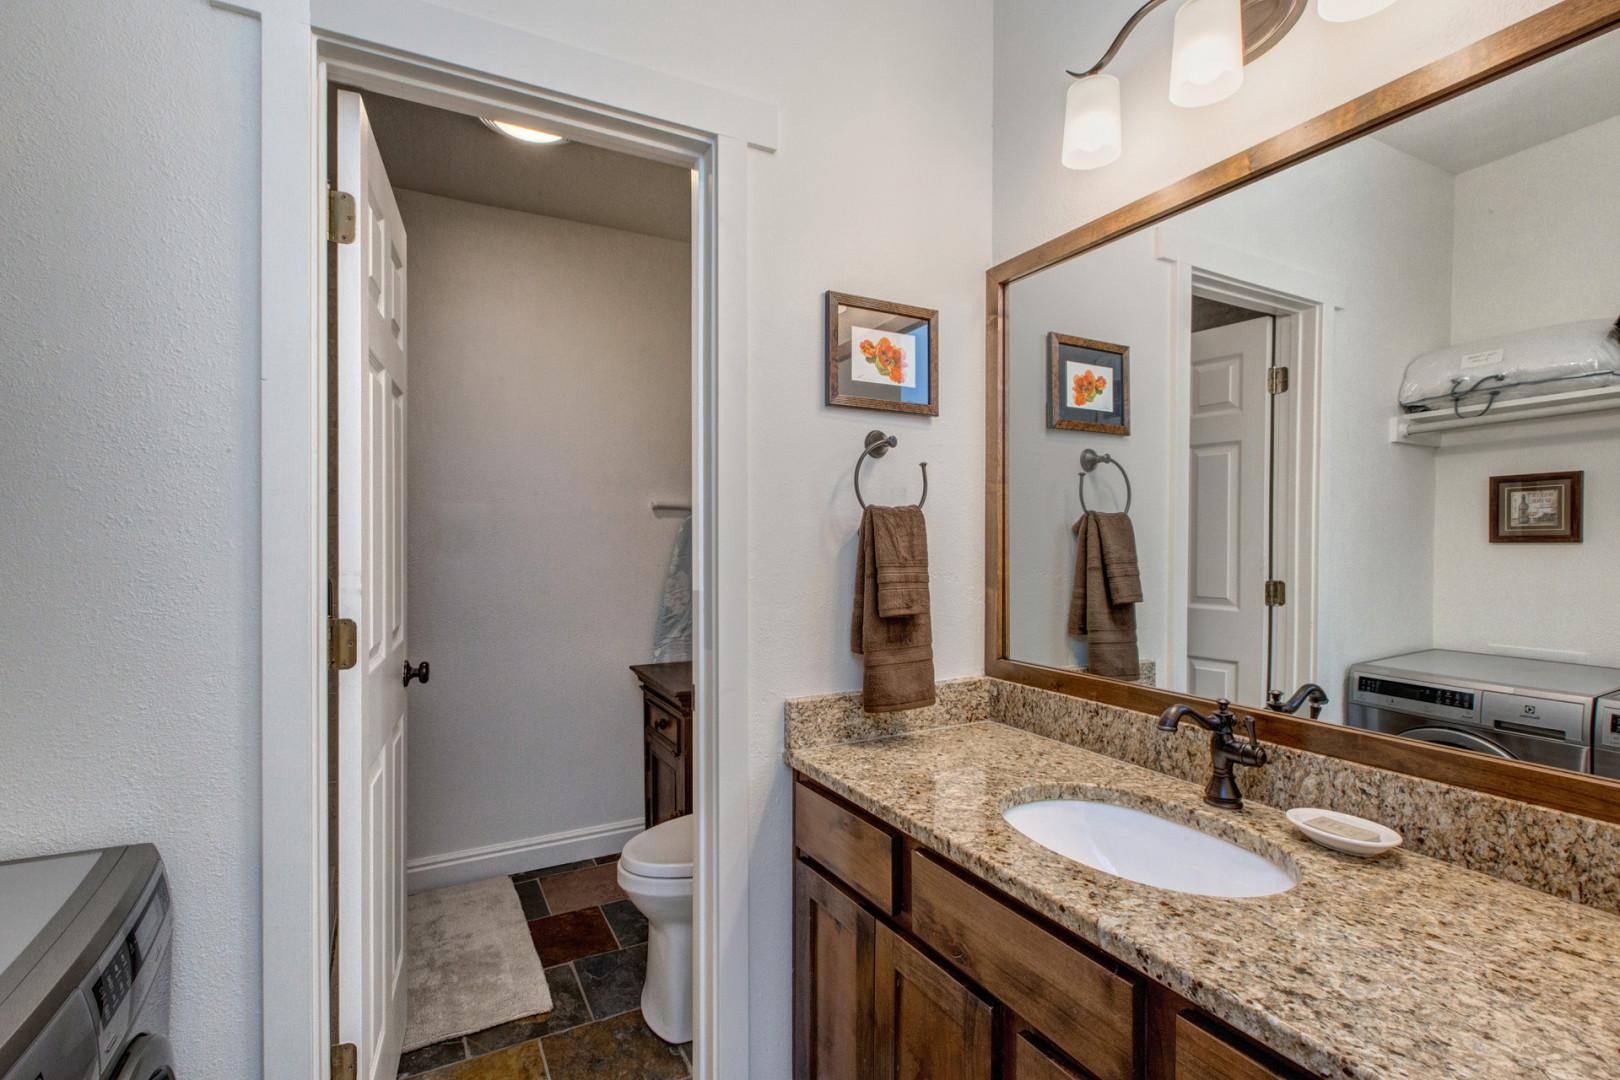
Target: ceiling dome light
x=1206 y=59
x=521 y=133
x=1349 y=10
x=1091 y=125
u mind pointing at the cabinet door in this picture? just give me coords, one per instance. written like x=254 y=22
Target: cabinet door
x=664 y=787
x=834 y=953
x=929 y=1025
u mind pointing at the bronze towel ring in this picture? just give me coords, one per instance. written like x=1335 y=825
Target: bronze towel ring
x=1089 y=460
x=877 y=444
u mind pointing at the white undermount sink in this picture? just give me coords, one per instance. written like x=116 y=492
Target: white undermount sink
x=1148 y=849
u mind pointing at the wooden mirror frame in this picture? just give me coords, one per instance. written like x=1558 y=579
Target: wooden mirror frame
x=1518 y=46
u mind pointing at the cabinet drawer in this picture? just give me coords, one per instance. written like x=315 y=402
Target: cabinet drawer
x=1203 y=1055
x=856 y=851
x=1083 y=1006
x=664 y=724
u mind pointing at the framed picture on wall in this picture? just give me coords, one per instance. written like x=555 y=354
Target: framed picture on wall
x=1088 y=385
x=1536 y=508
x=882 y=355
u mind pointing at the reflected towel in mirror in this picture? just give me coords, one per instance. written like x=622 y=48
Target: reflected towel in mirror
x=1107 y=588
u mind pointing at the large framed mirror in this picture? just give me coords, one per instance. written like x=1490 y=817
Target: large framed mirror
x=1350 y=403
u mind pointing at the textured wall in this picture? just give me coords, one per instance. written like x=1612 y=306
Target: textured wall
x=881 y=187
x=129 y=428
x=550 y=404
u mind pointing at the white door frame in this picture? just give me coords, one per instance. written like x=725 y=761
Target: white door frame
x=421 y=51
x=1306 y=306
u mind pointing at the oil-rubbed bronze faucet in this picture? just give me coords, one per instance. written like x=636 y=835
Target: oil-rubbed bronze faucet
x=1225 y=750
x=1309 y=692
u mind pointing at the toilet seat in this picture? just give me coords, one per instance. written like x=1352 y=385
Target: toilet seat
x=663 y=851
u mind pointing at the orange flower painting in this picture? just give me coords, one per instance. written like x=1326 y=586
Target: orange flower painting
x=1087 y=387
x=884 y=355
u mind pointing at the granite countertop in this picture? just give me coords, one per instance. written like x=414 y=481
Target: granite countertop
x=1400 y=966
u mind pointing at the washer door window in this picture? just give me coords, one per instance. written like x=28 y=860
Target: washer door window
x=1462 y=740
x=149 y=1058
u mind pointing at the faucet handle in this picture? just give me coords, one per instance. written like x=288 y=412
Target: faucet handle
x=1248 y=728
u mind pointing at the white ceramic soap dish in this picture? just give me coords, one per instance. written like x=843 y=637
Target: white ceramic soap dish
x=1344 y=832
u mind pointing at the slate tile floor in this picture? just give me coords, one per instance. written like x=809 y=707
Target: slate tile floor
x=593 y=944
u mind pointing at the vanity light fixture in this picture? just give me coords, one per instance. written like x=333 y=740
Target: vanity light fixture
x=522 y=133
x=1212 y=42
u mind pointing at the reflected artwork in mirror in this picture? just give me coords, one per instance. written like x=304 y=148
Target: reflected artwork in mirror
x=1329 y=363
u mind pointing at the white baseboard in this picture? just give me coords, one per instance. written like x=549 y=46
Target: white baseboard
x=516 y=856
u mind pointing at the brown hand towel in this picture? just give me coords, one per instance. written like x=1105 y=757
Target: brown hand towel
x=1107 y=587
x=891 y=626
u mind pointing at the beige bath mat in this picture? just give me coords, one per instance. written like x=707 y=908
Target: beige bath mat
x=470 y=963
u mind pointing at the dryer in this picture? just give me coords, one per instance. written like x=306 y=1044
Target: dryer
x=84 y=967
x=1510 y=707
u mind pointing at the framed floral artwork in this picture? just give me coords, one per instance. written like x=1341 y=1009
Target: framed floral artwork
x=882 y=355
x=1088 y=385
x=1536 y=508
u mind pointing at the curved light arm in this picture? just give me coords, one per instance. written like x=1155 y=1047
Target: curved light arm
x=1119 y=40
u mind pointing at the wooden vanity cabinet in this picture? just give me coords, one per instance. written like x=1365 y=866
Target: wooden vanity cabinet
x=906 y=966
x=666 y=733
x=927 y=1021
x=835 y=972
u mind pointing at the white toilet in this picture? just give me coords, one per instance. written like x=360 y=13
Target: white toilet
x=655 y=872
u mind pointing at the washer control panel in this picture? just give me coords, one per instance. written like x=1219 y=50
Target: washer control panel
x=1608 y=722
x=1434 y=700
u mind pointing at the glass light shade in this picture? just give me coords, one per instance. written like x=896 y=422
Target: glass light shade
x=1349 y=10
x=521 y=133
x=1091 y=124
x=1206 y=61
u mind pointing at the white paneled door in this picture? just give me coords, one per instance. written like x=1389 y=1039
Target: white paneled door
x=370 y=452
x=1226 y=612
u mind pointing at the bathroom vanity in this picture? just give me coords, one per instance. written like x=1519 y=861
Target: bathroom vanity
x=933 y=939
x=910 y=967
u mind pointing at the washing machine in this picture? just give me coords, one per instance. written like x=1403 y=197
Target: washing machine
x=1606 y=738
x=1515 y=708
x=84 y=967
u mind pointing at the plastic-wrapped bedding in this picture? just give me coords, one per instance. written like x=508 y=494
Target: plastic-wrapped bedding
x=1532 y=363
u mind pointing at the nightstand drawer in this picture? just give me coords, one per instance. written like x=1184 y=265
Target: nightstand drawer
x=665 y=725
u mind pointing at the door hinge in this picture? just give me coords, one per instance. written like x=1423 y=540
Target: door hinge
x=343 y=639
x=1276 y=593
x=345 y=1061
x=1277 y=380
x=339 y=217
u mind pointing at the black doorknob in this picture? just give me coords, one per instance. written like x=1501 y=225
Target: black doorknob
x=420 y=671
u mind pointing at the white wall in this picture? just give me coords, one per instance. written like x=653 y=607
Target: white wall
x=1370 y=219
x=1537 y=243
x=152 y=579
x=822 y=216
x=550 y=404
x=1538 y=237
x=1552 y=601
x=129 y=433
x=1120 y=293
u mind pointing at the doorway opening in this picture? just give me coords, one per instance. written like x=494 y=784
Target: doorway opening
x=511 y=502
x=1251 y=359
